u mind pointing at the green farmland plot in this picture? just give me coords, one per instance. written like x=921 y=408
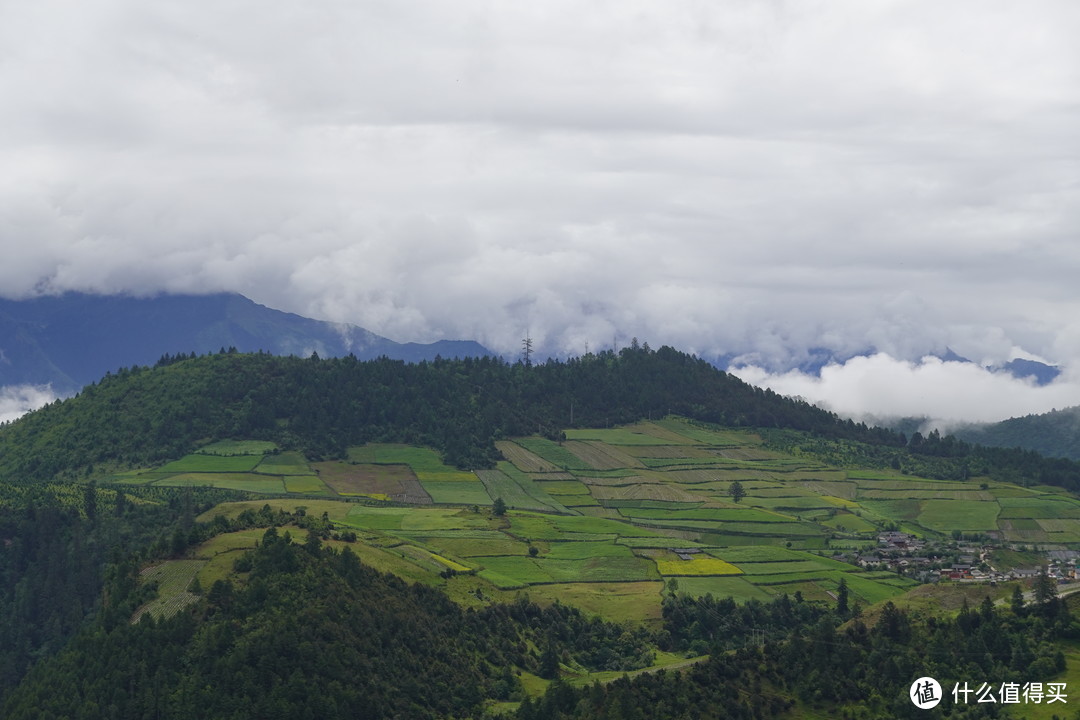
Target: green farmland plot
x=286 y=463
x=267 y=484
x=601 y=476
x=601 y=456
x=898 y=510
x=716 y=437
x=198 y=463
x=791 y=505
x=781 y=568
x=581 y=524
x=949 y=515
x=658 y=542
x=680 y=462
x=787 y=578
x=770 y=529
x=668 y=451
x=969 y=494
x=376 y=518
x=425 y=521
x=443 y=519
x=636 y=601
x=763 y=554
x=744 y=514
x=575 y=503
x=633 y=435
x=557 y=488
x=421 y=460
x=305 y=485
x=453 y=476
x=586 y=550
x=238 y=447
x=847 y=522
x=653 y=504
x=698 y=565
x=1045 y=507
x=532 y=489
x=140 y=477
x=733 y=586
x=499 y=485
x=456 y=493
x=465 y=547
x=532 y=571
x=566 y=527
x=874 y=590
x=876 y=475
x=914 y=485
x=553 y=453
x=643 y=489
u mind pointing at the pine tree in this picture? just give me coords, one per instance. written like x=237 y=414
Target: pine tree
x=736 y=491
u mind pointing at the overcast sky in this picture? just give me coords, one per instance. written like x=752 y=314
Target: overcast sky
x=742 y=177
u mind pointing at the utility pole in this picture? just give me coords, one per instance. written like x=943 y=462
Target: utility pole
x=526 y=349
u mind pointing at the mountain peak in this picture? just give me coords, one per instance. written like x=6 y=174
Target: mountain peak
x=72 y=339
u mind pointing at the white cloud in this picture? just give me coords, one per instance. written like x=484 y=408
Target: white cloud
x=17 y=400
x=880 y=386
x=746 y=178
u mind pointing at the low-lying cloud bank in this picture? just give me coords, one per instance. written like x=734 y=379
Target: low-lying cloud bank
x=17 y=400
x=949 y=393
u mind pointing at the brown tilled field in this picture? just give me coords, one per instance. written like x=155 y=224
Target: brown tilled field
x=398 y=482
x=524 y=460
x=601 y=456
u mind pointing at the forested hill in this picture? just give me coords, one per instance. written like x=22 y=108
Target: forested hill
x=1054 y=434
x=146 y=415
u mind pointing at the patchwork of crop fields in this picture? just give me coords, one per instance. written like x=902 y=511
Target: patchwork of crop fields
x=608 y=518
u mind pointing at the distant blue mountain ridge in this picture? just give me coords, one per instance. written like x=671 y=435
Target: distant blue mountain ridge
x=74 y=339
x=816 y=358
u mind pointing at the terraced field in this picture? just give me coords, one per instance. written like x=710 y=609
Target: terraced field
x=172 y=579
x=611 y=516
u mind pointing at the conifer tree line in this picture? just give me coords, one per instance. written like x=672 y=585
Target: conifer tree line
x=828 y=660
x=143 y=416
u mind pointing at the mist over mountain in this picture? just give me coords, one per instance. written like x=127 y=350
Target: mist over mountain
x=814 y=359
x=69 y=340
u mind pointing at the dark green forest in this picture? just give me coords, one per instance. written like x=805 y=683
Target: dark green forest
x=312 y=633
x=824 y=659
x=58 y=553
x=1054 y=434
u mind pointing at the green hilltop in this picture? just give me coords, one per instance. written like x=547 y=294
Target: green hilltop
x=145 y=416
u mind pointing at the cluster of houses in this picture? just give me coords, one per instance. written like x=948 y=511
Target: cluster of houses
x=904 y=553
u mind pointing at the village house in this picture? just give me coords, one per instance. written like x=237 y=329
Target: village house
x=957 y=571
